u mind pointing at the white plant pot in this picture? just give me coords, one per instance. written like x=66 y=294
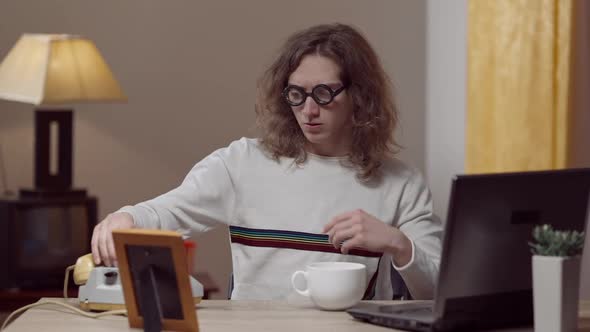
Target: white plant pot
x=555 y=291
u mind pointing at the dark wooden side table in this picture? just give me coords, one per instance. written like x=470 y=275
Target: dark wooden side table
x=11 y=300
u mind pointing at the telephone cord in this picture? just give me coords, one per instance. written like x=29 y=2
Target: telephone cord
x=66 y=279
x=68 y=306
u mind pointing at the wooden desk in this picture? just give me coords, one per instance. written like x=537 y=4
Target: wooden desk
x=224 y=316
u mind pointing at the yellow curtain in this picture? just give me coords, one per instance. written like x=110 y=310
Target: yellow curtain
x=518 y=107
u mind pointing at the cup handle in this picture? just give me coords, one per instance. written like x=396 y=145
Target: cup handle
x=304 y=292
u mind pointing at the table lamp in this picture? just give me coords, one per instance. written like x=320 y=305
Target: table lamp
x=55 y=69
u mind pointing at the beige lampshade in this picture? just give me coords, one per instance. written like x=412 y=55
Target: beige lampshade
x=44 y=69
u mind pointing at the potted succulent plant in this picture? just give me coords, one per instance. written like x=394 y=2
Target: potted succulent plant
x=556 y=278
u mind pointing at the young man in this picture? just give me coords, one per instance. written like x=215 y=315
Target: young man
x=320 y=184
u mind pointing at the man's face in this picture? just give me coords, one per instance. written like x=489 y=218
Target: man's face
x=328 y=128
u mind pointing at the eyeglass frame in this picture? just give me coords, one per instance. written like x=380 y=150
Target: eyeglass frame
x=333 y=94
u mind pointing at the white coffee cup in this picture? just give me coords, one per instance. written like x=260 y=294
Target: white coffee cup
x=333 y=285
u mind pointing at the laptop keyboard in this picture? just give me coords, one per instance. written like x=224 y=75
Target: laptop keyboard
x=404 y=309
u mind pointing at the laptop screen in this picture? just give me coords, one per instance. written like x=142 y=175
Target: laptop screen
x=486 y=259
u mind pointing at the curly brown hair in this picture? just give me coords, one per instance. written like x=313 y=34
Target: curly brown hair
x=374 y=109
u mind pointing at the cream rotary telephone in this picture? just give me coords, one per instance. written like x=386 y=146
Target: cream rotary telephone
x=100 y=286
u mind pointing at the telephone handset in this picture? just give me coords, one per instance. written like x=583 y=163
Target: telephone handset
x=82 y=269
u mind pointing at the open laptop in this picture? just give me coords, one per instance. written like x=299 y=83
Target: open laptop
x=485 y=278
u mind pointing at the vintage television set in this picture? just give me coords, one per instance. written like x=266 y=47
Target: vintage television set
x=41 y=236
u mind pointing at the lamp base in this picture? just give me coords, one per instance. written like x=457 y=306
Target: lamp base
x=44 y=193
x=53 y=150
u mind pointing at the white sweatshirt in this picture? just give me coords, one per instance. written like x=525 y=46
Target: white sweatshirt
x=276 y=212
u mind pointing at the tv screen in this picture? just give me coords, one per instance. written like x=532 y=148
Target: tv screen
x=41 y=237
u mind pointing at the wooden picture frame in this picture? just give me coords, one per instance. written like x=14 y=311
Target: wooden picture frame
x=160 y=257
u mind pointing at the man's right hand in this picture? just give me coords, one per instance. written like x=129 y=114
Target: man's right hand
x=103 y=247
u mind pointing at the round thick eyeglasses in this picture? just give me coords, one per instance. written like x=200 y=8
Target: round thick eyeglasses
x=321 y=93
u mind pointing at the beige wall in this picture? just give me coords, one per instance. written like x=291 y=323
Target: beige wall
x=446 y=53
x=189 y=68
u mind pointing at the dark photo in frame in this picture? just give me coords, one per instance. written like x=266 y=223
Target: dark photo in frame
x=155 y=280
